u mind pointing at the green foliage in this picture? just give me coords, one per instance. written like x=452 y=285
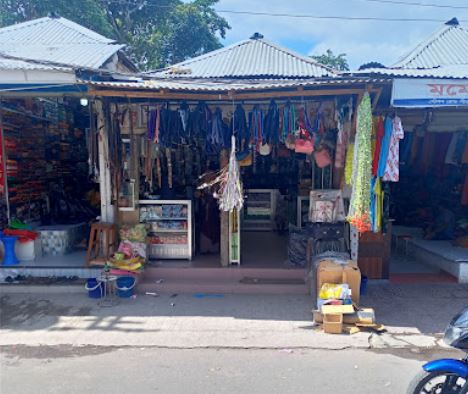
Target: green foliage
x=157 y=32
x=338 y=62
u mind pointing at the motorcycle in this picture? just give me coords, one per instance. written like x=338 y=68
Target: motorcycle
x=446 y=376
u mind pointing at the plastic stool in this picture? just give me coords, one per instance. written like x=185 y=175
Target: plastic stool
x=9 y=243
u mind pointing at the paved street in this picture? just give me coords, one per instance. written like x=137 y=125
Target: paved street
x=206 y=371
x=55 y=343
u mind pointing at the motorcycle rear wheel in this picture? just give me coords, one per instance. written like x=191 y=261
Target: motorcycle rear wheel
x=438 y=382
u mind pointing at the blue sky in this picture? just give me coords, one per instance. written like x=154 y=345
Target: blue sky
x=362 y=41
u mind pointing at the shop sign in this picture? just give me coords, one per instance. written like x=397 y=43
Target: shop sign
x=429 y=92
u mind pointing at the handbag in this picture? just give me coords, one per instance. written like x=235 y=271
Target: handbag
x=322 y=158
x=290 y=142
x=304 y=146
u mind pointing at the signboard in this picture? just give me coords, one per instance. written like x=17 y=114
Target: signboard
x=427 y=92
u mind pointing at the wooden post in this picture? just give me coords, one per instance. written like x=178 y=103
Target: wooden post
x=224 y=238
x=107 y=209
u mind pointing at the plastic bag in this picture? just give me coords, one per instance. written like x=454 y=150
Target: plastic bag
x=334 y=291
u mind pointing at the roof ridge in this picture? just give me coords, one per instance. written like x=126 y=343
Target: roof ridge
x=298 y=55
x=419 y=49
x=66 y=23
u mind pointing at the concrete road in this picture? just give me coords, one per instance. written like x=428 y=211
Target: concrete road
x=80 y=370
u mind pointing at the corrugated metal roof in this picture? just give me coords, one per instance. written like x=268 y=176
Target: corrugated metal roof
x=447 y=46
x=51 y=31
x=250 y=58
x=57 y=40
x=17 y=64
x=457 y=71
x=78 y=55
x=228 y=85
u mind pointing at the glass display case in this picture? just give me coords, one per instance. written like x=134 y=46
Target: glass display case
x=259 y=210
x=170 y=228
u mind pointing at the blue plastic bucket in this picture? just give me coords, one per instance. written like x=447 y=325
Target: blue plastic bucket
x=125 y=286
x=95 y=288
x=363 y=288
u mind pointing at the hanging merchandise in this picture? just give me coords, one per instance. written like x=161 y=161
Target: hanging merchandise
x=392 y=169
x=256 y=132
x=322 y=158
x=239 y=128
x=271 y=124
x=184 y=112
x=216 y=138
x=199 y=123
x=348 y=171
x=362 y=168
x=384 y=149
x=231 y=194
x=169 y=167
x=288 y=123
x=343 y=120
x=380 y=132
x=376 y=209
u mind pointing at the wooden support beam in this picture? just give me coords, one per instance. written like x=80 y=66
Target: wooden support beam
x=376 y=98
x=246 y=95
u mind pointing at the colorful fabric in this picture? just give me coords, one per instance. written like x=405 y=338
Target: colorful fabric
x=392 y=169
x=380 y=132
x=362 y=168
x=385 y=148
x=377 y=197
x=348 y=171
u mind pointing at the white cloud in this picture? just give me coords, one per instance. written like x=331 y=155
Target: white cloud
x=362 y=41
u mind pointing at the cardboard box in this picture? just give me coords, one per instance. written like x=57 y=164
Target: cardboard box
x=333 y=323
x=330 y=272
x=361 y=316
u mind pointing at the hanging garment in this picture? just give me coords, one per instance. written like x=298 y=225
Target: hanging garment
x=465 y=153
x=271 y=124
x=385 y=147
x=256 y=132
x=455 y=152
x=288 y=121
x=380 y=132
x=239 y=127
x=392 y=169
x=348 y=171
x=426 y=153
x=377 y=197
x=184 y=112
x=215 y=138
x=199 y=123
x=362 y=168
x=406 y=147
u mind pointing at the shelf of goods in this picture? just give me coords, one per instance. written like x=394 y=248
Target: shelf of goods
x=303 y=203
x=259 y=210
x=170 y=228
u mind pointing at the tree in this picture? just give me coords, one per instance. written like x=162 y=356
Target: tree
x=157 y=32
x=338 y=62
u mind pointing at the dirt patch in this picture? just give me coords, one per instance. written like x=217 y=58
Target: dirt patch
x=53 y=352
x=17 y=312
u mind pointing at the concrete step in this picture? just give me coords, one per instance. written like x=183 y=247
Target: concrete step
x=217 y=286
x=227 y=273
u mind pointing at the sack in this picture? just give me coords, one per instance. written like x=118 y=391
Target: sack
x=304 y=146
x=246 y=161
x=322 y=158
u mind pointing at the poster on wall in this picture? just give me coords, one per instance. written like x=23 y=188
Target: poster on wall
x=429 y=92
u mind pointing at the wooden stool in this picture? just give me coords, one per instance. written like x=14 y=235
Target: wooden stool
x=101 y=235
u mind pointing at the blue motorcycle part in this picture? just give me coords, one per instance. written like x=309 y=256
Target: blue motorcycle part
x=448 y=365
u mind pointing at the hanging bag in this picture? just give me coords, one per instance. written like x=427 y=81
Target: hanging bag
x=322 y=158
x=305 y=143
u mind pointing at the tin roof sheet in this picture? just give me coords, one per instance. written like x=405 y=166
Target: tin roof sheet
x=255 y=57
x=57 y=40
x=447 y=46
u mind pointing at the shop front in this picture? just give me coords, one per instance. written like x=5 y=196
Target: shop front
x=293 y=146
